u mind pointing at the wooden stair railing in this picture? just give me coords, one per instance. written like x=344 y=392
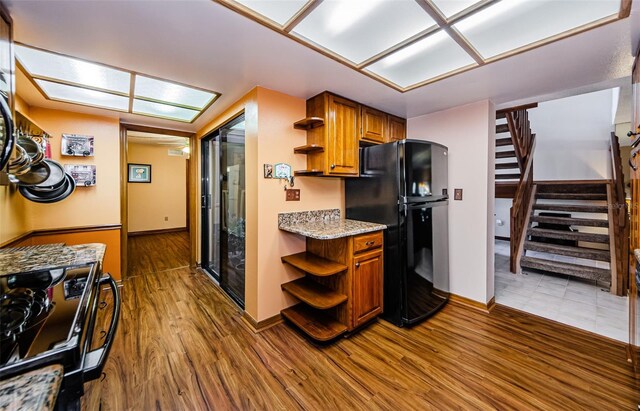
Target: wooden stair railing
x=620 y=222
x=524 y=142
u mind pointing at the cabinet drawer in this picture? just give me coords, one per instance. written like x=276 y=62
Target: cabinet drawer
x=367 y=242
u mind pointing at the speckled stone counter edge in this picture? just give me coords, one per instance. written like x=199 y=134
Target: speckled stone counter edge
x=34 y=390
x=302 y=217
x=48 y=256
x=636 y=252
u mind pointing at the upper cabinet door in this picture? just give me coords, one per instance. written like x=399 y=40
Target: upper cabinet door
x=373 y=126
x=342 y=139
x=396 y=128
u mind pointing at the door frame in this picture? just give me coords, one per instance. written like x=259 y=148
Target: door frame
x=191 y=192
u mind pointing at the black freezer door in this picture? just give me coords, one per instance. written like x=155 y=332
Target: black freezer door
x=424 y=232
x=424 y=167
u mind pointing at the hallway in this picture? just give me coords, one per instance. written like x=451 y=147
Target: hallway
x=157 y=252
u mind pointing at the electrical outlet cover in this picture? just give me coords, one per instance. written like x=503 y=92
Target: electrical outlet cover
x=457 y=194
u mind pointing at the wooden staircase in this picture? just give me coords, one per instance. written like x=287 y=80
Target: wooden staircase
x=568 y=231
x=514 y=143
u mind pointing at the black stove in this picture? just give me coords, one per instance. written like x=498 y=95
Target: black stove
x=48 y=317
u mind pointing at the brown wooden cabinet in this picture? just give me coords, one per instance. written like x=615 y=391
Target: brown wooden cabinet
x=342 y=288
x=374 y=125
x=367 y=286
x=396 y=128
x=335 y=127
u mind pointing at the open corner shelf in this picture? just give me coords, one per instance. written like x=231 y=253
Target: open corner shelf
x=302 y=173
x=308 y=148
x=308 y=123
x=314 y=294
x=314 y=323
x=314 y=265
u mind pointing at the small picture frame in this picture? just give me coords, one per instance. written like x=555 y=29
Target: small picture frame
x=76 y=145
x=268 y=171
x=139 y=173
x=84 y=175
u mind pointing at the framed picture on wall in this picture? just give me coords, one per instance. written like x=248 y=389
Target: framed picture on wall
x=139 y=173
x=77 y=145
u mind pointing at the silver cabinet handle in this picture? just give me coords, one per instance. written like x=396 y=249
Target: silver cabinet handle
x=357 y=265
x=333 y=166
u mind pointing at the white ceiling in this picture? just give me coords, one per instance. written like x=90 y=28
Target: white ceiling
x=201 y=43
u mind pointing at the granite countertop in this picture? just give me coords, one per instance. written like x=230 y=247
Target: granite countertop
x=34 y=390
x=636 y=252
x=324 y=224
x=48 y=256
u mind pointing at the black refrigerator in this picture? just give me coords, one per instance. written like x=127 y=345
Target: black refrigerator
x=404 y=185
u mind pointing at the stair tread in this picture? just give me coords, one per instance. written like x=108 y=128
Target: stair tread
x=572 y=196
x=502 y=128
x=508 y=176
x=578 y=208
x=578 y=252
x=504 y=142
x=568 y=235
x=506 y=166
x=575 y=270
x=586 y=222
x=505 y=154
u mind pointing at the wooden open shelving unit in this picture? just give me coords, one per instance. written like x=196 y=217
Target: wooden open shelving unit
x=308 y=148
x=308 y=123
x=316 y=296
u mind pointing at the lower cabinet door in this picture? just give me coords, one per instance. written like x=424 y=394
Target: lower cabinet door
x=367 y=286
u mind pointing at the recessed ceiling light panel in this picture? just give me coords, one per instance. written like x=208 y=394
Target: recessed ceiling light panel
x=511 y=24
x=279 y=11
x=79 y=95
x=172 y=93
x=148 y=108
x=360 y=29
x=452 y=7
x=426 y=59
x=46 y=65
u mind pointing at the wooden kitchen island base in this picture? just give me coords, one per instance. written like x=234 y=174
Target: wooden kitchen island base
x=342 y=285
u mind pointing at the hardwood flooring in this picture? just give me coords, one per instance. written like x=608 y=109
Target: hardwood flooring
x=157 y=252
x=182 y=345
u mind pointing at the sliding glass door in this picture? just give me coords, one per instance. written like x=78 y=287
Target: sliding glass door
x=223 y=207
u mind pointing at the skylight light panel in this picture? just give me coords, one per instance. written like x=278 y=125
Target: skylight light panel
x=511 y=24
x=424 y=60
x=165 y=111
x=279 y=11
x=78 y=95
x=46 y=65
x=165 y=91
x=452 y=7
x=360 y=29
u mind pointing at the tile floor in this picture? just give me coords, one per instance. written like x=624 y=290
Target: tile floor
x=578 y=303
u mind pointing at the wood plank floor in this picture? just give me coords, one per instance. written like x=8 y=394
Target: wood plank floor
x=157 y=252
x=182 y=345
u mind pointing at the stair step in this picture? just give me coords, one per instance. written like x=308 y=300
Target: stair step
x=506 y=166
x=508 y=176
x=505 y=154
x=502 y=128
x=569 y=235
x=584 y=222
x=579 y=252
x=567 y=187
x=574 y=270
x=572 y=196
x=504 y=142
x=577 y=208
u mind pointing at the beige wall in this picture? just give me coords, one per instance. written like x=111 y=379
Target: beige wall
x=87 y=206
x=165 y=196
x=471 y=167
x=270 y=138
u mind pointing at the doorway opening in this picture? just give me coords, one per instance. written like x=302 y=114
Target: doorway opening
x=223 y=207
x=157 y=199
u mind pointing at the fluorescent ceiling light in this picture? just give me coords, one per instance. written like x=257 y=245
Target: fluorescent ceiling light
x=360 y=29
x=424 y=60
x=511 y=24
x=78 y=95
x=148 y=108
x=46 y=65
x=452 y=7
x=279 y=11
x=171 y=93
